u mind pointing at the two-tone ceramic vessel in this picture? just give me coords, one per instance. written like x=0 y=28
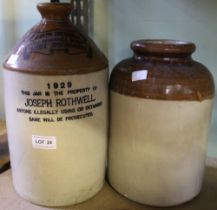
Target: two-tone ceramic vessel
x=56 y=108
x=161 y=102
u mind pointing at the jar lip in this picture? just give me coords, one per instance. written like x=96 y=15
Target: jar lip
x=168 y=46
x=55 y=11
x=42 y=4
x=54 y=6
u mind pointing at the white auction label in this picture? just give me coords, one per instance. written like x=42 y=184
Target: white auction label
x=44 y=142
x=139 y=75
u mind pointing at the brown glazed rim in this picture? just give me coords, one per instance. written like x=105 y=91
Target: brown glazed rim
x=57 y=11
x=55 y=5
x=162 y=46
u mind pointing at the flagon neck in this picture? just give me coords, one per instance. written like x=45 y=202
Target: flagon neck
x=55 y=11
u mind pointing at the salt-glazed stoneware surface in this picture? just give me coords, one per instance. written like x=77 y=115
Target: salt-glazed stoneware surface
x=161 y=102
x=55 y=83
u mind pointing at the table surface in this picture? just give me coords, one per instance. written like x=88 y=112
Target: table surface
x=107 y=198
x=4 y=157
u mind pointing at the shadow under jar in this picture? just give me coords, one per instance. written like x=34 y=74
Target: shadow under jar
x=161 y=104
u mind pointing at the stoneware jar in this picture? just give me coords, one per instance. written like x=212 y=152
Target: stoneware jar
x=161 y=102
x=55 y=84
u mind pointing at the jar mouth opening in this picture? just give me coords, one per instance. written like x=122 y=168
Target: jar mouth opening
x=54 y=4
x=168 y=46
x=164 y=41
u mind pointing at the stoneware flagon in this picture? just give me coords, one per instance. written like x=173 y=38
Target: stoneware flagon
x=161 y=102
x=55 y=84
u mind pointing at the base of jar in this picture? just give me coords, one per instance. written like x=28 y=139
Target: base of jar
x=156 y=204
x=58 y=204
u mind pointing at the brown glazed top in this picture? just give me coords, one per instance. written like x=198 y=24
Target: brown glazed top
x=171 y=72
x=55 y=46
